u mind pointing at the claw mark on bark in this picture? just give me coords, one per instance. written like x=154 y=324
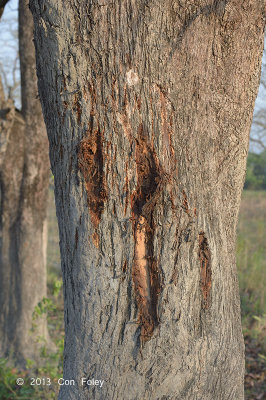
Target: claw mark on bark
x=90 y=162
x=205 y=269
x=145 y=273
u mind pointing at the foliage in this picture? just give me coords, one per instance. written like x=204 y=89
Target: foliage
x=43 y=307
x=50 y=364
x=256 y=171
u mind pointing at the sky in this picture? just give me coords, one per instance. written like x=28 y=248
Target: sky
x=9 y=47
x=9 y=53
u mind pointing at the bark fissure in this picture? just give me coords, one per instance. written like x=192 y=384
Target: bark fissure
x=145 y=272
x=91 y=162
x=205 y=270
x=185 y=203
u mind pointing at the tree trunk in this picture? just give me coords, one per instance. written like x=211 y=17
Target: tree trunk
x=2 y=6
x=24 y=190
x=148 y=107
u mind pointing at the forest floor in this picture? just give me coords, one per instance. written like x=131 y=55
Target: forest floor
x=251 y=262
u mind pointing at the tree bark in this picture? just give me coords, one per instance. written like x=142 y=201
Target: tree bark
x=24 y=191
x=148 y=107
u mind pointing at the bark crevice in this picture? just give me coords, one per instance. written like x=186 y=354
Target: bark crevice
x=205 y=270
x=91 y=163
x=145 y=274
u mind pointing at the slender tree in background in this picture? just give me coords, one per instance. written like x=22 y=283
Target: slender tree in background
x=3 y=3
x=148 y=106
x=258 y=138
x=9 y=56
x=24 y=189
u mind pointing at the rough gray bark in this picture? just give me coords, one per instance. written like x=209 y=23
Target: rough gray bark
x=148 y=107
x=24 y=189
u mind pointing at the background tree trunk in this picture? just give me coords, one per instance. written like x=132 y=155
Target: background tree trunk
x=148 y=107
x=24 y=190
x=2 y=6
